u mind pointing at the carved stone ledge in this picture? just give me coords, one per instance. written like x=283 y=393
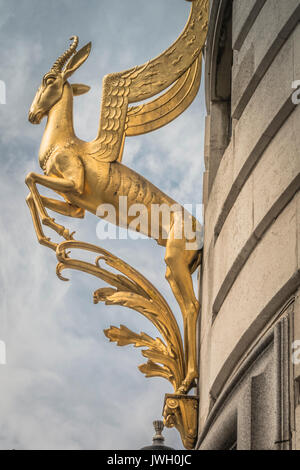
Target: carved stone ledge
x=181 y=412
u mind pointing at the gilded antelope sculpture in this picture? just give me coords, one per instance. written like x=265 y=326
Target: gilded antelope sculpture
x=89 y=174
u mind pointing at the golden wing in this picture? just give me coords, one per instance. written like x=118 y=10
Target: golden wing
x=180 y=65
x=151 y=116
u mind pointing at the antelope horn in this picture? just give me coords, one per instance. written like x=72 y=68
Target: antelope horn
x=60 y=62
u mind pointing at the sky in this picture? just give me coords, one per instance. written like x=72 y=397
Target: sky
x=64 y=385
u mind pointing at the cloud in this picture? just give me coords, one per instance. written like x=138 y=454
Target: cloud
x=65 y=386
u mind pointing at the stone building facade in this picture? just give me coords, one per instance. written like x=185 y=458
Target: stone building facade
x=249 y=331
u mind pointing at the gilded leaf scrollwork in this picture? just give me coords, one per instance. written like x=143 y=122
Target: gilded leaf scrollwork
x=132 y=290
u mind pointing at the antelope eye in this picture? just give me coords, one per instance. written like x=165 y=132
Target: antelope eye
x=49 y=80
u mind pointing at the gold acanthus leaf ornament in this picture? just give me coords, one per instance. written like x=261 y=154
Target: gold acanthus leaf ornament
x=132 y=290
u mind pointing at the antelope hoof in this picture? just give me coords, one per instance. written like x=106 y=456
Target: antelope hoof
x=183 y=389
x=66 y=234
x=188 y=383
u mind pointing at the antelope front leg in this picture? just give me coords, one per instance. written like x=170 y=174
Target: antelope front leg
x=57 y=184
x=42 y=239
x=63 y=208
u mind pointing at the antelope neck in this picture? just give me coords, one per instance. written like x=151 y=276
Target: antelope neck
x=59 y=128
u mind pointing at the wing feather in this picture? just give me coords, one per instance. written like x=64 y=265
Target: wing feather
x=145 y=81
x=166 y=108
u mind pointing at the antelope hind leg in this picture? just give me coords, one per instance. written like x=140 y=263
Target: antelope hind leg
x=178 y=260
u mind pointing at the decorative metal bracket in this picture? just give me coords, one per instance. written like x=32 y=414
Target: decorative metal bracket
x=181 y=412
x=165 y=358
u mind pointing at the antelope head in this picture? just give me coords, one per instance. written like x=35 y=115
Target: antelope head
x=52 y=86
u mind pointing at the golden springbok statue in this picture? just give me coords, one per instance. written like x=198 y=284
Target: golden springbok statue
x=89 y=174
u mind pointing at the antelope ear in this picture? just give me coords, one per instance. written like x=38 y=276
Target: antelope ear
x=77 y=60
x=79 y=89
